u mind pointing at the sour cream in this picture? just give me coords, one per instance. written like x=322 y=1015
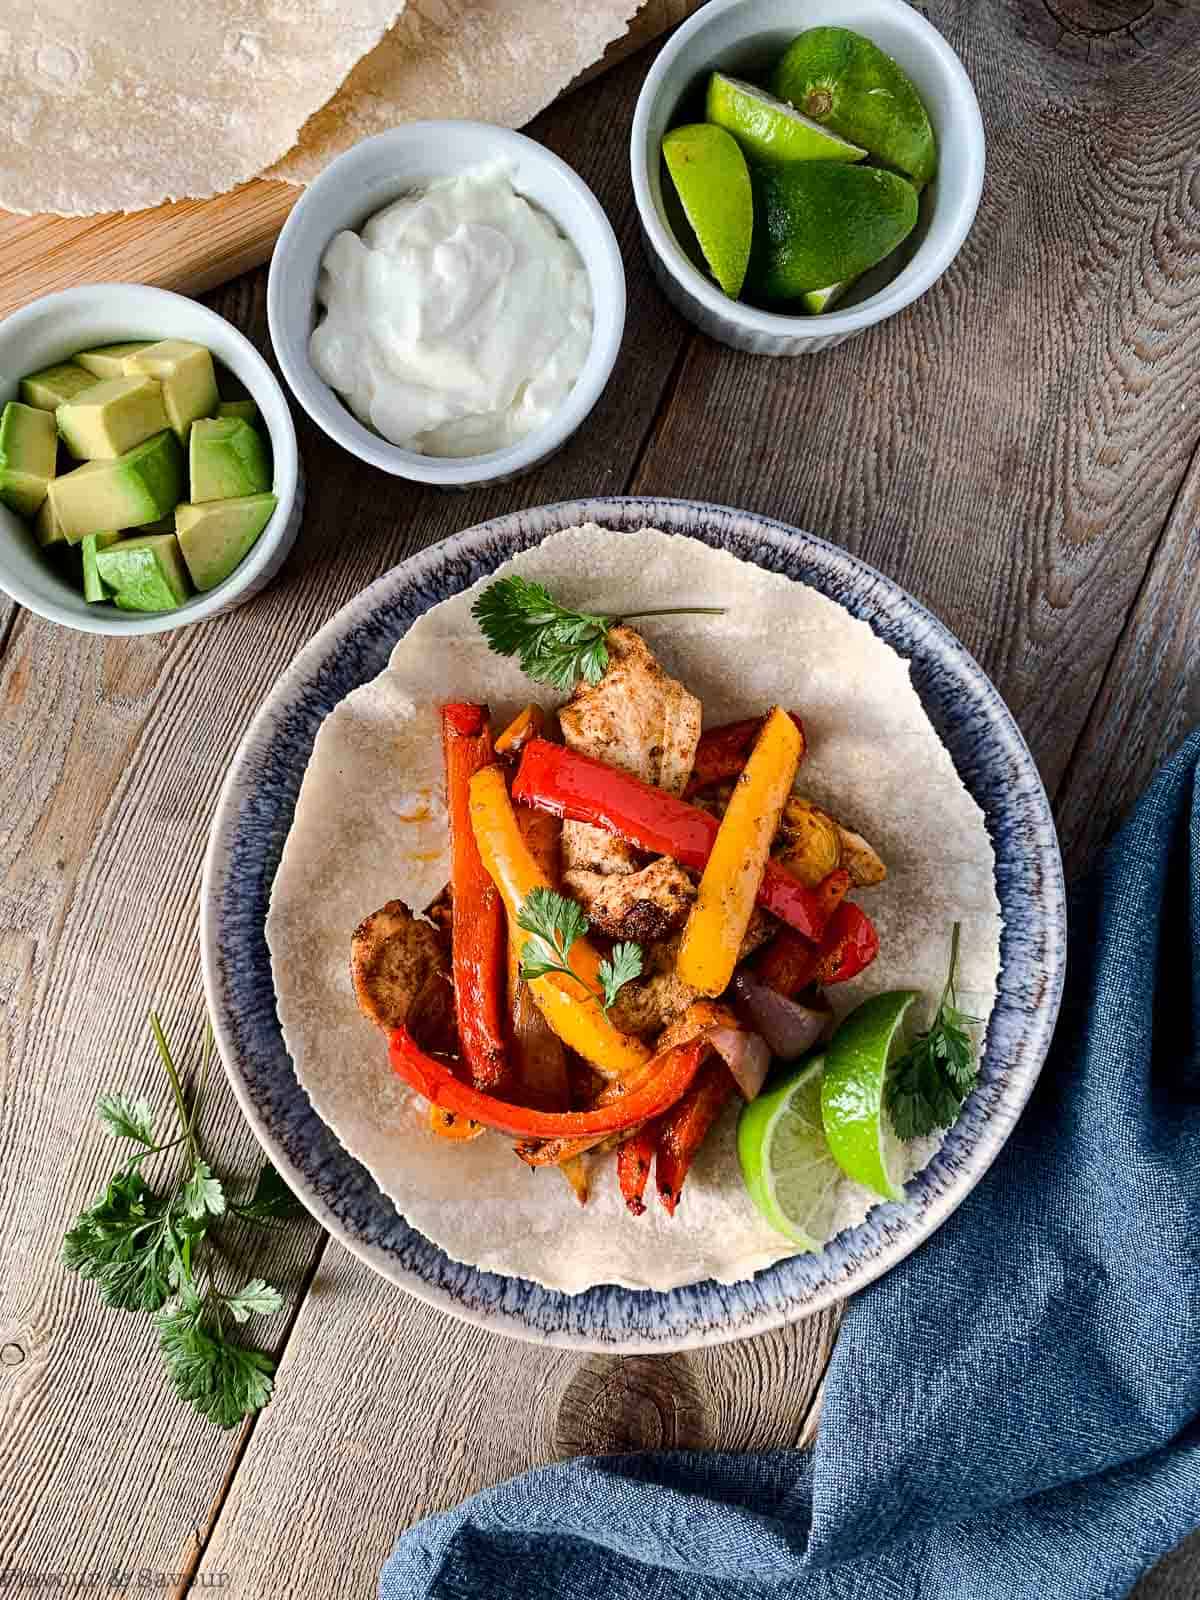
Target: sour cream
x=458 y=321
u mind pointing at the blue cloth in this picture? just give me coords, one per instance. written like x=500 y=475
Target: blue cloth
x=1014 y=1411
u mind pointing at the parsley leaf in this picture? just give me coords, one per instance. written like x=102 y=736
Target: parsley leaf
x=271 y=1202
x=555 y=923
x=142 y=1247
x=126 y=1118
x=554 y=645
x=621 y=968
x=927 y=1085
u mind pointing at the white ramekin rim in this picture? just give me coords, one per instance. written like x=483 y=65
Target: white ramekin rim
x=924 y=269
x=606 y=272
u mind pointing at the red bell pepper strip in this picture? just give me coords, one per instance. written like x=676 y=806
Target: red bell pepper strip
x=633 y=1165
x=568 y=784
x=435 y=1080
x=789 y=964
x=681 y=1130
x=478 y=924
x=721 y=753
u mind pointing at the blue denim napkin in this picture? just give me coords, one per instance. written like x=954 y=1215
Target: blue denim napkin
x=1014 y=1411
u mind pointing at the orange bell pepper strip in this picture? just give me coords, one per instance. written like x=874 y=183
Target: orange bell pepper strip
x=721 y=753
x=569 y=784
x=433 y=1078
x=682 y=1130
x=570 y=1005
x=477 y=926
x=717 y=923
x=633 y=1165
x=529 y=723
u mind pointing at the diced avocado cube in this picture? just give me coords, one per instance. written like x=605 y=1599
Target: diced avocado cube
x=111 y=417
x=28 y=456
x=138 y=487
x=215 y=536
x=48 y=389
x=145 y=574
x=109 y=360
x=93 y=584
x=227 y=458
x=46 y=526
x=246 y=409
x=185 y=371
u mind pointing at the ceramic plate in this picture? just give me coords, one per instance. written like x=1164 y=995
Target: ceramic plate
x=255 y=813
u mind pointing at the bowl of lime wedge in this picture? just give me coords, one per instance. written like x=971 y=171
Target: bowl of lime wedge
x=804 y=169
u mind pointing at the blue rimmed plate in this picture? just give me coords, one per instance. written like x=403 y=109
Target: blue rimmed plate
x=254 y=816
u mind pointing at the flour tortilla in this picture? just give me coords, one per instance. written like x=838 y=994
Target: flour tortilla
x=371 y=823
x=496 y=61
x=112 y=105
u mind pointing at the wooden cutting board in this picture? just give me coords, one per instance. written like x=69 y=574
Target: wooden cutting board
x=192 y=245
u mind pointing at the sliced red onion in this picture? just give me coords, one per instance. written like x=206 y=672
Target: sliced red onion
x=745 y=1054
x=789 y=1028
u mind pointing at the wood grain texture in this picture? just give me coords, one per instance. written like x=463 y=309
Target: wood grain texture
x=408 y=1413
x=1150 y=697
x=1010 y=446
x=193 y=245
x=1176 y=1577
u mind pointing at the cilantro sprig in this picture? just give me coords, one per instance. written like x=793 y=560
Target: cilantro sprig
x=555 y=923
x=149 y=1249
x=927 y=1085
x=555 y=645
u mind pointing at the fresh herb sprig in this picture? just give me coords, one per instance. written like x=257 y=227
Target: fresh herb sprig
x=927 y=1085
x=149 y=1249
x=555 y=924
x=554 y=645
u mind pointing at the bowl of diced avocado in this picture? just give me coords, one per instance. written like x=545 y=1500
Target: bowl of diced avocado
x=149 y=475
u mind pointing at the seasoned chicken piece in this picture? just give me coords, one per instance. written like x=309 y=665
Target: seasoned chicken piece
x=811 y=844
x=393 y=956
x=644 y=905
x=638 y=719
x=653 y=1001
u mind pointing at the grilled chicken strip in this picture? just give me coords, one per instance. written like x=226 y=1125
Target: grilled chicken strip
x=393 y=957
x=655 y=1000
x=638 y=719
x=645 y=905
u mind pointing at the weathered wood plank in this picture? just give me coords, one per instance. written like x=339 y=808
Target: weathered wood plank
x=1150 y=696
x=111 y=757
x=1176 y=1577
x=1010 y=446
x=408 y=1413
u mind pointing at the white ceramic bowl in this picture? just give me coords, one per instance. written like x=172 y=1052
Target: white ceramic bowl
x=55 y=328
x=370 y=176
x=746 y=37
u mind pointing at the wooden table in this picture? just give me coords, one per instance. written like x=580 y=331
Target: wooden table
x=1019 y=449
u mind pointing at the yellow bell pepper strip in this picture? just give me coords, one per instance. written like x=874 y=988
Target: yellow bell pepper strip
x=571 y=1008
x=729 y=886
x=671 y=1078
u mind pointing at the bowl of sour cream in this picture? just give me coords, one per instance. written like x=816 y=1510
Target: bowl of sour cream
x=447 y=301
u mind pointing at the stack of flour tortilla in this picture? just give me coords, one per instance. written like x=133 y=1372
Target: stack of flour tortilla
x=114 y=105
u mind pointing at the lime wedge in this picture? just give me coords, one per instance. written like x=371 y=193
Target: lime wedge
x=710 y=174
x=817 y=300
x=856 y=1066
x=770 y=129
x=786 y=1164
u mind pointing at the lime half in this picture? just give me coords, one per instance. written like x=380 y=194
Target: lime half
x=790 y=1174
x=856 y=1067
x=770 y=129
x=710 y=174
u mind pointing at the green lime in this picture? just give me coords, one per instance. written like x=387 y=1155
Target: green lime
x=790 y=1174
x=770 y=129
x=846 y=82
x=710 y=174
x=820 y=222
x=856 y=1067
x=818 y=300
